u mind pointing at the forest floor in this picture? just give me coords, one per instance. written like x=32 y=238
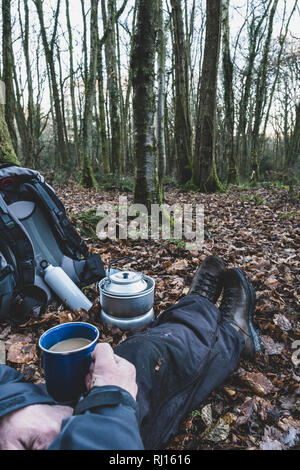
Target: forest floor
x=259 y=231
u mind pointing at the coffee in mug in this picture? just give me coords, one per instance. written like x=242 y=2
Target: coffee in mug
x=70 y=345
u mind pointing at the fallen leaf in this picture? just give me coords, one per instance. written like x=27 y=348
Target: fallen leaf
x=272 y=282
x=288 y=423
x=206 y=415
x=290 y=438
x=231 y=393
x=252 y=406
x=65 y=317
x=180 y=265
x=270 y=445
x=270 y=347
x=22 y=353
x=220 y=431
x=158 y=364
x=291 y=403
x=281 y=321
x=260 y=384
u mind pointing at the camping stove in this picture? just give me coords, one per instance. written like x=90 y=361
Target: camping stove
x=126 y=299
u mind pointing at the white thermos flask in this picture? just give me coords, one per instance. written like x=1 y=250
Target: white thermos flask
x=65 y=288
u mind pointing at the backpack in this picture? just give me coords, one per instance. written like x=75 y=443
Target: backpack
x=34 y=227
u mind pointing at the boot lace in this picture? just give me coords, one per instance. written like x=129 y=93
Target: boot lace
x=206 y=284
x=227 y=304
x=226 y=308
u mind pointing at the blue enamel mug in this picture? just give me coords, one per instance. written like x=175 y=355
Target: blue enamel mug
x=65 y=371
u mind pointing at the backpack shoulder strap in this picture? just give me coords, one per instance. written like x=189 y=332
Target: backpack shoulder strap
x=15 y=237
x=7 y=285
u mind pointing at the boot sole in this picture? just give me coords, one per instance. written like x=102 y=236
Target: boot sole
x=254 y=336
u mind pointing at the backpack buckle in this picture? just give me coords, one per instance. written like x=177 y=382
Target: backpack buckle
x=7 y=180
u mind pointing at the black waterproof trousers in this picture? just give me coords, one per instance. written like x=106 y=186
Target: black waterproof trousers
x=187 y=354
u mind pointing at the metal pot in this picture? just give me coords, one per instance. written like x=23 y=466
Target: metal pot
x=127 y=299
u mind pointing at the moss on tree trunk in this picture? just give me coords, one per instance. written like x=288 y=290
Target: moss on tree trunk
x=88 y=179
x=7 y=153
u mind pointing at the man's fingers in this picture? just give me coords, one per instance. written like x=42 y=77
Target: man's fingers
x=103 y=356
x=12 y=446
x=124 y=363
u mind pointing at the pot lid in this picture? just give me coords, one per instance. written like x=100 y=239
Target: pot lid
x=125 y=283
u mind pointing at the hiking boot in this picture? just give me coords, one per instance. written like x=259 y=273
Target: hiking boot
x=238 y=306
x=207 y=280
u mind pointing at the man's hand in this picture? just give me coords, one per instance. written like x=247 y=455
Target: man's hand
x=110 y=369
x=33 y=427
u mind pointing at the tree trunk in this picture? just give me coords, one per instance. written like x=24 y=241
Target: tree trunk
x=144 y=105
x=161 y=72
x=87 y=175
x=293 y=154
x=260 y=94
x=127 y=114
x=254 y=30
x=182 y=127
x=112 y=84
x=229 y=151
x=283 y=35
x=205 y=173
x=102 y=117
x=84 y=43
x=49 y=54
x=72 y=86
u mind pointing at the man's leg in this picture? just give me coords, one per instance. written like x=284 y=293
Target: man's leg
x=179 y=362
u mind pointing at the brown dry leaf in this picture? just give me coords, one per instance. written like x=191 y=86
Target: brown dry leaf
x=231 y=393
x=65 y=317
x=260 y=384
x=251 y=406
x=283 y=323
x=288 y=423
x=180 y=265
x=158 y=364
x=291 y=403
x=185 y=291
x=271 y=348
x=272 y=282
x=22 y=353
x=19 y=338
x=167 y=264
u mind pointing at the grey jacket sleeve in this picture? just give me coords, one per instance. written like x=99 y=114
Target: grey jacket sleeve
x=16 y=394
x=107 y=419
